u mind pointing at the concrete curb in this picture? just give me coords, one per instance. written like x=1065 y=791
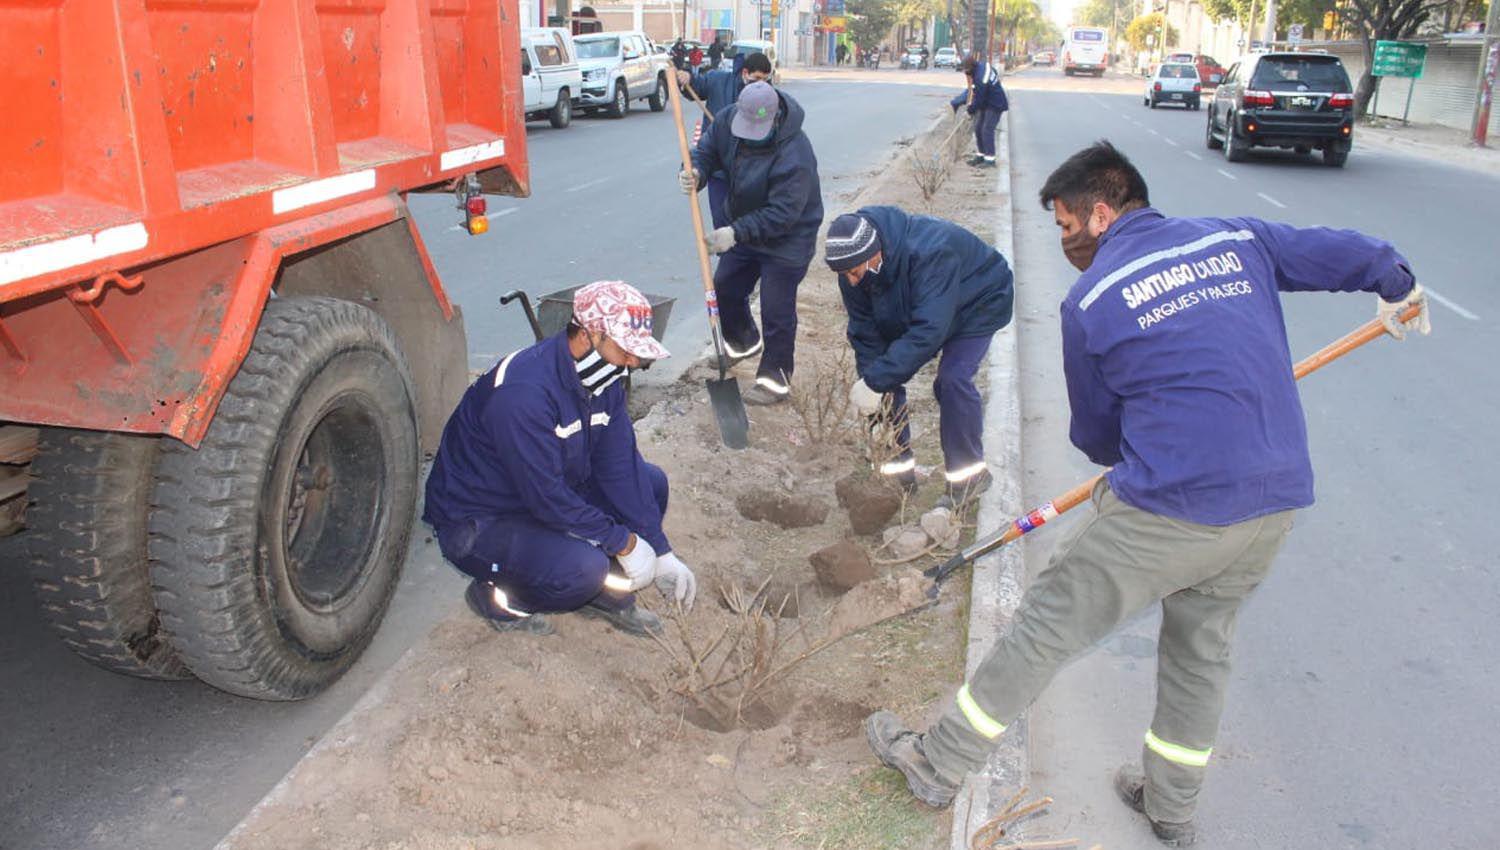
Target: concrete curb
x=999 y=578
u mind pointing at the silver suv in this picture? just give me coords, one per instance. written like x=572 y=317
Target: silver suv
x=619 y=67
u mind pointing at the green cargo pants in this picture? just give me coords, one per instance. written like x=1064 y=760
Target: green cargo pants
x=1104 y=571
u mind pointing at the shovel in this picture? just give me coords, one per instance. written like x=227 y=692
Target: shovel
x=724 y=393
x=1023 y=525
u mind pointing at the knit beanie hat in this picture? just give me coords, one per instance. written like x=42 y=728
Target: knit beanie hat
x=851 y=240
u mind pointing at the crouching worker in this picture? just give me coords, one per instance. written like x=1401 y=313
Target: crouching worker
x=915 y=287
x=538 y=492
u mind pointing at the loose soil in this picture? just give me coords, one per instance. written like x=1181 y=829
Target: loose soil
x=485 y=740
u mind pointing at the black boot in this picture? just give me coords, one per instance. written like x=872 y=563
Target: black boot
x=900 y=749
x=966 y=491
x=633 y=620
x=481 y=598
x=1130 y=784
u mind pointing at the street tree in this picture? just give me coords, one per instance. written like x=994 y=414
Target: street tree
x=1145 y=26
x=870 y=21
x=1382 y=20
x=1308 y=13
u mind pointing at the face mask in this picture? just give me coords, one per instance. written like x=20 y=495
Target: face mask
x=595 y=372
x=1080 y=248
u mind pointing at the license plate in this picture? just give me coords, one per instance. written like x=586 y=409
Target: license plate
x=1176 y=96
x=1299 y=102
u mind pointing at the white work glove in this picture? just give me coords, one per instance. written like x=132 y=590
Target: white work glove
x=674 y=579
x=864 y=399
x=688 y=180
x=720 y=240
x=639 y=564
x=1388 y=311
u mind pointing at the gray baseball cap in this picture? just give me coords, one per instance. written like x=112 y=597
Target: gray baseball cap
x=758 y=105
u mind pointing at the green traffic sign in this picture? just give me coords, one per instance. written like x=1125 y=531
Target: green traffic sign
x=1398 y=59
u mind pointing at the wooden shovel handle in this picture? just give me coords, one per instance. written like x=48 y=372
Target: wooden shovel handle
x=711 y=297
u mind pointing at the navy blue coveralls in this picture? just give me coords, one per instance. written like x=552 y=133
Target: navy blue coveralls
x=775 y=205
x=940 y=288
x=537 y=482
x=988 y=105
x=719 y=89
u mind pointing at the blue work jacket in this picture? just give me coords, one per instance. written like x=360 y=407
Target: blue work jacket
x=937 y=282
x=775 y=202
x=527 y=439
x=1177 y=364
x=988 y=92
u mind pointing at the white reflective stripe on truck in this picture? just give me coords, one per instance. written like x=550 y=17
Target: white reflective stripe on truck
x=459 y=157
x=44 y=257
x=318 y=191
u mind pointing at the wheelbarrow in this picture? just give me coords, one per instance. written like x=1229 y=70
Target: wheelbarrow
x=556 y=308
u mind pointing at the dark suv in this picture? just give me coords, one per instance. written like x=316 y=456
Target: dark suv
x=1298 y=101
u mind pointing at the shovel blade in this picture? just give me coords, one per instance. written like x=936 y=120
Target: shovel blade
x=729 y=410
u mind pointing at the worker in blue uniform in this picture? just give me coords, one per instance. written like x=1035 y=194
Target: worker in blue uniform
x=774 y=209
x=985 y=100
x=1179 y=378
x=538 y=492
x=916 y=287
x=719 y=90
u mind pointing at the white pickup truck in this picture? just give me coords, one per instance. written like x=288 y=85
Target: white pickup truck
x=619 y=67
x=550 y=77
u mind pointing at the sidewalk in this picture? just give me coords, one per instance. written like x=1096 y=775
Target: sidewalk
x=1430 y=142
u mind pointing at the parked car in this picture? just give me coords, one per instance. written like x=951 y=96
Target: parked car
x=619 y=67
x=1046 y=57
x=947 y=57
x=1174 y=82
x=550 y=76
x=1296 y=101
x=914 y=57
x=749 y=46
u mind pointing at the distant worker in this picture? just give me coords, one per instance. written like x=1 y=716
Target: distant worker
x=916 y=287
x=841 y=53
x=538 y=492
x=986 y=101
x=773 y=209
x=715 y=54
x=719 y=90
x=695 y=57
x=1180 y=379
x=679 y=55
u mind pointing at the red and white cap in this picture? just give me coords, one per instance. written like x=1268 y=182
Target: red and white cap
x=620 y=312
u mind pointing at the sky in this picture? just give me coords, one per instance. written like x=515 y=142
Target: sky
x=1060 y=11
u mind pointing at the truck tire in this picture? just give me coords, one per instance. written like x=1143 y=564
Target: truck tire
x=86 y=548
x=621 y=103
x=562 y=111
x=658 y=99
x=1335 y=155
x=277 y=544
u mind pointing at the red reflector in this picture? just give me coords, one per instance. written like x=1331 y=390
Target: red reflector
x=475 y=205
x=1341 y=101
x=1259 y=98
x=1197 y=87
x=1346 y=131
x=1157 y=87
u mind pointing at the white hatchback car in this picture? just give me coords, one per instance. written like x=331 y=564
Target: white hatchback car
x=1174 y=82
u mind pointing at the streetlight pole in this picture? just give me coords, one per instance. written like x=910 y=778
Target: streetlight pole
x=1489 y=59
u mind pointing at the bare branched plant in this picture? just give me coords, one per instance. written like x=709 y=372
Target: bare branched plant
x=822 y=399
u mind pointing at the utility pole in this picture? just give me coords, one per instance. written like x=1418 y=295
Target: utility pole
x=1270 y=23
x=1489 y=59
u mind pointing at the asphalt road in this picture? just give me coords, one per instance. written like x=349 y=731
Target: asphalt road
x=1365 y=667
x=94 y=761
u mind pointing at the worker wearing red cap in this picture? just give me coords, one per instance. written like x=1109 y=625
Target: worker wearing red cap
x=538 y=492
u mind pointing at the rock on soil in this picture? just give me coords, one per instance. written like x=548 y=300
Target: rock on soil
x=905 y=541
x=785 y=510
x=939 y=525
x=842 y=566
x=870 y=502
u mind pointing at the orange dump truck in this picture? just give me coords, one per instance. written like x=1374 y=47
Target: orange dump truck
x=223 y=347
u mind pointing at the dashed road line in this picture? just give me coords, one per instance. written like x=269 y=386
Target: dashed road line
x=1270 y=200
x=1152 y=132
x=1226 y=174
x=1449 y=304
x=1193 y=155
x=589 y=185
x=1169 y=141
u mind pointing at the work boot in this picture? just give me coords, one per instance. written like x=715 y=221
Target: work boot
x=481 y=598
x=965 y=491
x=975 y=159
x=900 y=749
x=733 y=353
x=763 y=396
x=1130 y=784
x=634 y=620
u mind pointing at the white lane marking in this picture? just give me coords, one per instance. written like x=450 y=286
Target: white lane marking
x=1270 y=200
x=1193 y=155
x=45 y=257
x=1449 y=304
x=318 y=191
x=581 y=186
x=1152 y=132
x=459 y=157
x=1169 y=141
x=1226 y=174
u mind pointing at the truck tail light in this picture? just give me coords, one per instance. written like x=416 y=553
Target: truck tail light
x=1341 y=101
x=1197 y=87
x=471 y=201
x=1259 y=98
x=1249 y=128
x=476 y=205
